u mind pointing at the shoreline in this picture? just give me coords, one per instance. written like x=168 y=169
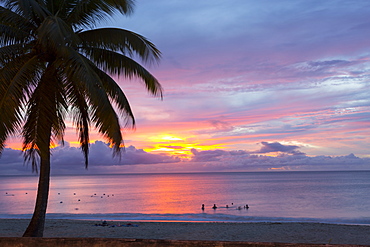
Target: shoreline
x=188 y=221
x=283 y=232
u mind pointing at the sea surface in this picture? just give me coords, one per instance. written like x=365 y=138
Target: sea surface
x=341 y=197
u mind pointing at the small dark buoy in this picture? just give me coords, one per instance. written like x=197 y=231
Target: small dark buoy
x=79 y=200
x=61 y=202
x=74 y=193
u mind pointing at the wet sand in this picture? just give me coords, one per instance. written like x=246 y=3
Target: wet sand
x=315 y=233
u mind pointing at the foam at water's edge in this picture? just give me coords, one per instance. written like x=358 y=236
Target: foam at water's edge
x=191 y=218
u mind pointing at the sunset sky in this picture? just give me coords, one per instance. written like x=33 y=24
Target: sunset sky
x=248 y=85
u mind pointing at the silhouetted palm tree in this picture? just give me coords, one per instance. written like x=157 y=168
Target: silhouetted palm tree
x=52 y=62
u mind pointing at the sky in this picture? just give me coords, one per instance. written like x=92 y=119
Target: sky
x=249 y=85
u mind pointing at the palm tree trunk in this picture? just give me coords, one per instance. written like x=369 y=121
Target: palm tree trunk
x=36 y=226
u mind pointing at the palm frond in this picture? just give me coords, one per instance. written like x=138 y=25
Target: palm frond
x=11 y=35
x=58 y=126
x=127 y=42
x=117 y=96
x=60 y=8
x=80 y=114
x=12 y=19
x=54 y=33
x=78 y=69
x=88 y=13
x=119 y=64
x=45 y=114
x=15 y=81
x=10 y=52
x=123 y=6
x=33 y=10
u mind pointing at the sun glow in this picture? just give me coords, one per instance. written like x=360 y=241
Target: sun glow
x=165 y=138
x=176 y=145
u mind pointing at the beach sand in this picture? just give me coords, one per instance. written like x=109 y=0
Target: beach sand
x=316 y=233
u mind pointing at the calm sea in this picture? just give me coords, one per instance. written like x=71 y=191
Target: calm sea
x=331 y=197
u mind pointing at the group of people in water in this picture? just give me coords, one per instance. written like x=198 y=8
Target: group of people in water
x=227 y=206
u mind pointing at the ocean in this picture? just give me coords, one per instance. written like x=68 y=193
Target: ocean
x=340 y=197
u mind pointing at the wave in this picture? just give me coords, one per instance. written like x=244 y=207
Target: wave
x=203 y=217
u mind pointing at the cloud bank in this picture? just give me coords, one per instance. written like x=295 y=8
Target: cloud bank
x=220 y=160
x=69 y=160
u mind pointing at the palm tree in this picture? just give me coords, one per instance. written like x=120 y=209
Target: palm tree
x=53 y=62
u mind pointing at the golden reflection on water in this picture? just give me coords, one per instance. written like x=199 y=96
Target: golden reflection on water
x=148 y=194
x=300 y=194
x=164 y=195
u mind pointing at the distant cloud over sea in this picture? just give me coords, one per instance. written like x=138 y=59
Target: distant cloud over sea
x=69 y=160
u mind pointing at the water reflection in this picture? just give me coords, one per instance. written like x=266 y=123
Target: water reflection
x=270 y=195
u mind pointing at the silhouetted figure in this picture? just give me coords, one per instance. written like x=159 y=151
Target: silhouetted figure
x=227 y=206
x=246 y=206
x=202 y=206
x=214 y=206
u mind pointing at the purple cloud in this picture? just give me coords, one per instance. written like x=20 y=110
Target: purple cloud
x=209 y=155
x=69 y=160
x=278 y=147
x=217 y=155
x=242 y=161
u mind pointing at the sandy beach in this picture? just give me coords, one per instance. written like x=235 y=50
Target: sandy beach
x=316 y=233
